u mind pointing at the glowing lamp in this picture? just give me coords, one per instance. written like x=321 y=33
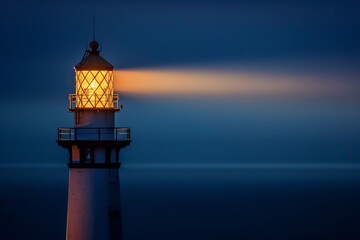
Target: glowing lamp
x=94 y=82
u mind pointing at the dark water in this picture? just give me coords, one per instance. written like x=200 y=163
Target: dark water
x=195 y=203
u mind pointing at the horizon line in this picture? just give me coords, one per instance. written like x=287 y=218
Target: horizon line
x=204 y=165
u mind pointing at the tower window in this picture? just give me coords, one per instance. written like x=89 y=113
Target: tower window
x=108 y=155
x=87 y=155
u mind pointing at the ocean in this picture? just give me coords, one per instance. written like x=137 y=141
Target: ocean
x=254 y=202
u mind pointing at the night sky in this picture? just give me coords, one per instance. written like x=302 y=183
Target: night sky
x=42 y=41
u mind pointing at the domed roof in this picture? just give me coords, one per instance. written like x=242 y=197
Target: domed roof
x=93 y=61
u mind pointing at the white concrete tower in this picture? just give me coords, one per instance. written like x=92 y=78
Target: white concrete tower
x=94 y=144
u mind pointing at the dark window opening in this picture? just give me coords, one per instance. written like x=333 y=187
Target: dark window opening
x=87 y=155
x=108 y=155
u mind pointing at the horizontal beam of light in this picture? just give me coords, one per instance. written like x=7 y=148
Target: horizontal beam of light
x=202 y=81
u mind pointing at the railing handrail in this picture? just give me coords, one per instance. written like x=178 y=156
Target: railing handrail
x=112 y=133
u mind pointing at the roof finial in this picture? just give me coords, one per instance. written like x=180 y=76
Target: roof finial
x=94 y=44
x=93 y=28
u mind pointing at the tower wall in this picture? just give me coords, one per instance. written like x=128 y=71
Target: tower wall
x=115 y=226
x=87 y=201
x=94 y=203
x=94 y=119
x=94 y=193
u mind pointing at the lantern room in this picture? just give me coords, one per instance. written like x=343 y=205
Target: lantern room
x=94 y=82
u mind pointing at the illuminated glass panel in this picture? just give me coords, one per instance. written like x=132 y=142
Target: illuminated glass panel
x=94 y=89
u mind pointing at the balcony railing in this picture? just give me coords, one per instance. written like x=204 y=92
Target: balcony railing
x=94 y=134
x=73 y=99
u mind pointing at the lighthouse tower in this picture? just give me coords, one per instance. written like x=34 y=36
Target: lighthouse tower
x=94 y=145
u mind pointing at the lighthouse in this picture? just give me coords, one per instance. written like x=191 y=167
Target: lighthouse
x=94 y=144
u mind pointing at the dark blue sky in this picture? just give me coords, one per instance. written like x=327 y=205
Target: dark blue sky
x=42 y=40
